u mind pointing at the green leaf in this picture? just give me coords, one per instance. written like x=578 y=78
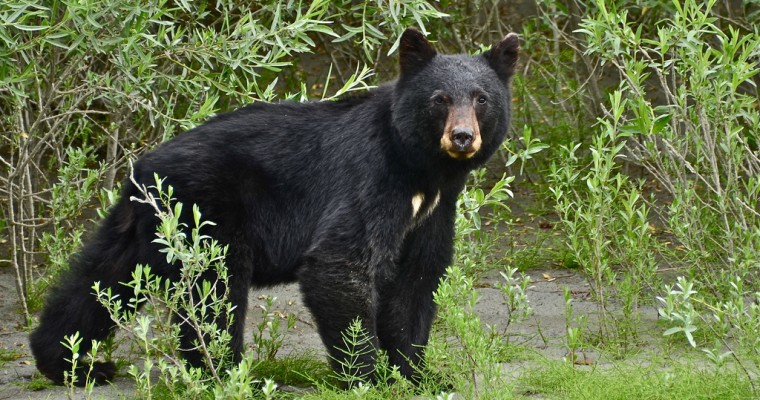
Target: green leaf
x=661 y=122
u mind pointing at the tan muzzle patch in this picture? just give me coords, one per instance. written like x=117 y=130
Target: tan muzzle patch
x=461 y=134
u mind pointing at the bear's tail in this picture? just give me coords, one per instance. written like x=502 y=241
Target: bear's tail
x=72 y=306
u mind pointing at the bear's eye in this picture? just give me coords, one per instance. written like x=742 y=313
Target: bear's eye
x=438 y=100
x=482 y=99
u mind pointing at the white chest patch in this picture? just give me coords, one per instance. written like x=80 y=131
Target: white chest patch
x=422 y=209
x=417 y=201
x=435 y=202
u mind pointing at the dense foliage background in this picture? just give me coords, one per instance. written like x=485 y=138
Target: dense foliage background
x=645 y=112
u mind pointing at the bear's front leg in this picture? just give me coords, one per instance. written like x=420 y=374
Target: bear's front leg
x=406 y=310
x=338 y=285
x=338 y=291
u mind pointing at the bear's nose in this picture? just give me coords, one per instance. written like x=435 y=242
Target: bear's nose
x=462 y=138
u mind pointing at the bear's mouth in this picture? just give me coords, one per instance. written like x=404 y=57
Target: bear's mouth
x=459 y=155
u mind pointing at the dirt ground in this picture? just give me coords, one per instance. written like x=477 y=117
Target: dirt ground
x=544 y=331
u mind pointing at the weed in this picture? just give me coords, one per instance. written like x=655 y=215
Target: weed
x=515 y=290
x=733 y=323
x=575 y=329
x=696 y=138
x=268 y=335
x=77 y=183
x=462 y=349
x=357 y=344
x=71 y=377
x=607 y=225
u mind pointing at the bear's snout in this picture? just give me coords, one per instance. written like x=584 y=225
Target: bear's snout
x=461 y=137
x=461 y=133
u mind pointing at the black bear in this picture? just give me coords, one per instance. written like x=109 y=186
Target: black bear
x=355 y=199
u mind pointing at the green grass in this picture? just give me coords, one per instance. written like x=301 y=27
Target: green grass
x=9 y=355
x=677 y=380
x=38 y=382
x=302 y=370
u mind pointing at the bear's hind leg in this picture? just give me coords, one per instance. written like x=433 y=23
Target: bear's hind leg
x=239 y=287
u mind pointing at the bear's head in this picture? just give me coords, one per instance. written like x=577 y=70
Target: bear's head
x=456 y=107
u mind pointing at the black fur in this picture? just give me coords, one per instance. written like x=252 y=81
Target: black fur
x=323 y=193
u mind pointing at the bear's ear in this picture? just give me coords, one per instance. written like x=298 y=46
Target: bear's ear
x=503 y=56
x=414 y=51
